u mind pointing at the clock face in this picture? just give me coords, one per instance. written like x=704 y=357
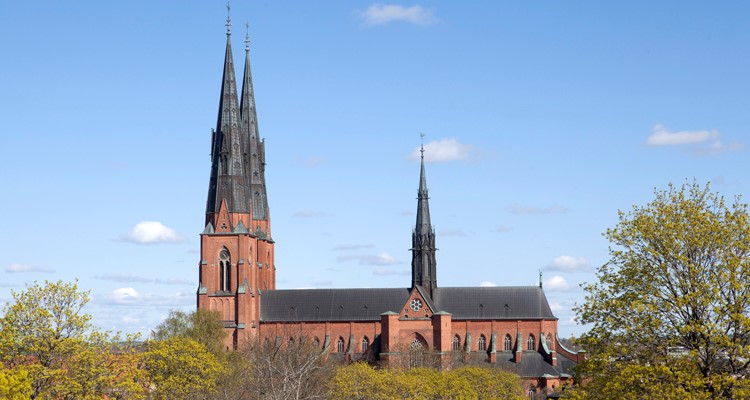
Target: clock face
x=415 y=305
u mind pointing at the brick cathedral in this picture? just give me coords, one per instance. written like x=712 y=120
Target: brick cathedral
x=508 y=327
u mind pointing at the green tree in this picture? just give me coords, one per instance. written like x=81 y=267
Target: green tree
x=47 y=339
x=181 y=368
x=670 y=310
x=202 y=326
x=15 y=383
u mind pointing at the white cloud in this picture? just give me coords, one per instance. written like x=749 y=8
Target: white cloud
x=487 y=284
x=660 y=136
x=556 y=307
x=126 y=295
x=381 y=14
x=21 y=268
x=115 y=277
x=444 y=150
x=369 y=259
x=557 y=284
x=569 y=264
x=521 y=209
x=707 y=142
x=151 y=232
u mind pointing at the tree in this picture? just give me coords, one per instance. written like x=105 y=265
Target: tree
x=47 y=341
x=202 y=326
x=181 y=368
x=670 y=310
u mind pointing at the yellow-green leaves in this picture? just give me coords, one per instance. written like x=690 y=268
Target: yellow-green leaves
x=677 y=282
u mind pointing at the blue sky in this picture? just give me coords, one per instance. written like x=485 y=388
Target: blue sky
x=543 y=119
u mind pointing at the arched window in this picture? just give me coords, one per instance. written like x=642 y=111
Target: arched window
x=456 y=343
x=482 y=345
x=365 y=344
x=316 y=343
x=530 y=342
x=224 y=269
x=416 y=354
x=507 y=344
x=549 y=341
x=340 y=345
x=290 y=344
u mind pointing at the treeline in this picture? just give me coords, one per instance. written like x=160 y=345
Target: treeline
x=50 y=350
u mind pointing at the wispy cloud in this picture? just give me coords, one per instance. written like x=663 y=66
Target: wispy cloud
x=381 y=14
x=152 y=232
x=23 y=268
x=388 y=272
x=313 y=161
x=519 y=209
x=709 y=142
x=569 y=264
x=452 y=232
x=351 y=246
x=114 y=277
x=369 y=259
x=129 y=296
x=444 y=150
x=309 y=214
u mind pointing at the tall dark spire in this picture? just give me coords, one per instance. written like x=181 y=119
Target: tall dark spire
x=253 y=147
x=423 y=249
x=227 y=170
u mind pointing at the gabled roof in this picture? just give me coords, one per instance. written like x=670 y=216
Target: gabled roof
x=330 y=304
x=523 y=302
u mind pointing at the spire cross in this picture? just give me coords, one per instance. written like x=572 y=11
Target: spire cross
x=247 y=35
x=229 y=20
x=421 y=150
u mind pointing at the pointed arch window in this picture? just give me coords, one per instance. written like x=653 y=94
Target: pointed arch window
x=416 y=354
x=530 y=342
x=482 y=343
x=316 y=343
x=365 y=344
x=456 y=343
x=549 y=341
x=340 y=345
x=225 y=262
x=507 y=343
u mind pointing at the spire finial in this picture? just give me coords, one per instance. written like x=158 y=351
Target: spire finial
x=540 y=278
x=229 y=20
x=247 y=35
x=421 y=150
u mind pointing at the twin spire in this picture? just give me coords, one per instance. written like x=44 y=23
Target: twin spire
x=237 y=154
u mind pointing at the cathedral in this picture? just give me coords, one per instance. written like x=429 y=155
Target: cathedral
x=419 y=324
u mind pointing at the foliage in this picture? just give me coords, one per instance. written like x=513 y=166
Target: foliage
x=15 y=383
x=45 y=338
x=362 y=381
x=181 y=368
x=670 y=310
x=202 y=326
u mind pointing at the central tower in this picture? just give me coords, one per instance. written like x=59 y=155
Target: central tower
x=237 y=250
x=423 y=262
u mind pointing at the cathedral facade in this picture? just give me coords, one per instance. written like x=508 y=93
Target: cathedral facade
x=508 y=327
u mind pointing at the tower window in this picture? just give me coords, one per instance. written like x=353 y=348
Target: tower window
x=224 y=270
x=549 y=341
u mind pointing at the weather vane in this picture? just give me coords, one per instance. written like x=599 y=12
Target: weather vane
x=229 y=21
x=421 y=136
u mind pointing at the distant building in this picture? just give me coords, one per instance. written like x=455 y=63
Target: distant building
x=510 y=327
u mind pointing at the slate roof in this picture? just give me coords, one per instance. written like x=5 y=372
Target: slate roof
x=523 y=302
x=330 y=304
x=533 y=364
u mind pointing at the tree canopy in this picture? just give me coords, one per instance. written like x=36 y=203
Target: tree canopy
x=669 y=312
